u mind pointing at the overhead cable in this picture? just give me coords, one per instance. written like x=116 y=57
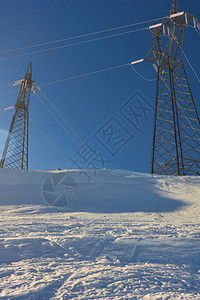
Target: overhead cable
x=73 y=44
x=84 y=75
x=58 y=121
x=191 y=66
x=74 y=77
x=147 y=79
x=63 y=118
x=47 y=138
x=79 y=36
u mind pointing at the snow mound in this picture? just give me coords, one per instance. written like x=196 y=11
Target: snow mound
x=105 y=191
x=98 y=234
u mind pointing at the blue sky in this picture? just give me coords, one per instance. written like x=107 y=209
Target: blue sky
x=91 y=102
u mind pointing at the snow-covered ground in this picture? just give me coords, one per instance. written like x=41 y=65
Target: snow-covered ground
x=101 y=234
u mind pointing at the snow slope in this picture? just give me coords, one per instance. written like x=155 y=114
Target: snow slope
x=105 y=234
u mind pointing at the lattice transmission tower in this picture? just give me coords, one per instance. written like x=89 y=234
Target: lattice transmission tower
x=176 y=141
x=15 y=155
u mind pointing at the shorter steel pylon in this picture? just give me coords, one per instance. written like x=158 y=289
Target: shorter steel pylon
x=15 y=155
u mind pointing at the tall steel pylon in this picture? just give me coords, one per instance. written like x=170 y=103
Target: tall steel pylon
x=15 y=155
x=176 y=140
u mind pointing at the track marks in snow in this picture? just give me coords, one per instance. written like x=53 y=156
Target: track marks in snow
x=99 y=256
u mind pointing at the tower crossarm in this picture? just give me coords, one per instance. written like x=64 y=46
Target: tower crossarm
x=172 y=28
x=155 y=54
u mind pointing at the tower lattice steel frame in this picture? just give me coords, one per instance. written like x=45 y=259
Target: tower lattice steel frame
x=176 y=140
x=15 y=155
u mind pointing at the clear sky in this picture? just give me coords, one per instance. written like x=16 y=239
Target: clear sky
x=93 y=103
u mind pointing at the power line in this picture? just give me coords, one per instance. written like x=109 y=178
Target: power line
x=5 y=85
x=62 y=117
x=47 y=138
x=79 y=36
x=194 y=29
x=75 y=77
x=68 y=133
x=9 y=93
x=188 y=62
x=84 y=75
x=74 y=44
x=147 y=79
x=191 y=66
